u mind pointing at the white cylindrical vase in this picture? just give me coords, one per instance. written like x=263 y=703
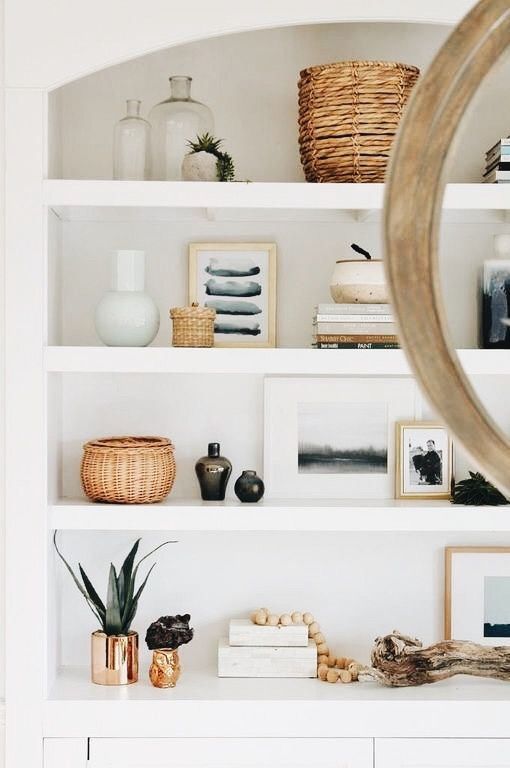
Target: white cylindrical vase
x=126 y=316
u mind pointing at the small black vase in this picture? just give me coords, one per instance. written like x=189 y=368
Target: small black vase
x=213 y=472
x=249 y=487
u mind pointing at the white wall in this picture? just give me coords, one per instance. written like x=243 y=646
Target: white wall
x=306 y=257
x=358 y=586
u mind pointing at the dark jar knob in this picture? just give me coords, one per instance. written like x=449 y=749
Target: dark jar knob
x=213 y=472
x=249 y=487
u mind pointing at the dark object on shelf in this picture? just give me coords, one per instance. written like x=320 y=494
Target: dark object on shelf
x=401 y=661
x=169 y=632
x=495 y=330
x=360 y=250
x=213 y=472
x=249 y=487
x=476 y=490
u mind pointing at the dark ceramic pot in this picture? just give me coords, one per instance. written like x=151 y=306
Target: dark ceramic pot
x=213 y=472
x=249 y=487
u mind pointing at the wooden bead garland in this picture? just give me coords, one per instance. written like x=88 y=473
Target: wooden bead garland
x=330 y=668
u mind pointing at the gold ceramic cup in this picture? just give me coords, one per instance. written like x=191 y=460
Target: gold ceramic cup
x=114 y=658
x=165 y=669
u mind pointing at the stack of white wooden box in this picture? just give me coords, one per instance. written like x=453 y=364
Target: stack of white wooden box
x=264 y=651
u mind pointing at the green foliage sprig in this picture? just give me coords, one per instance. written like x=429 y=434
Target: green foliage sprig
x=116 y=616
x=225 y=169
x=476 y=490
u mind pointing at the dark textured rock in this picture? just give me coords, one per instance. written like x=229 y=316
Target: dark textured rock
x=169 y=632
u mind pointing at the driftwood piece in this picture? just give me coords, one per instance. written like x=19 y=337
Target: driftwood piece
x=399 y=661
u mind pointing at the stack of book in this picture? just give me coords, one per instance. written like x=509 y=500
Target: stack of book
x=354 y=326
x=263 y=651
x=497 y=163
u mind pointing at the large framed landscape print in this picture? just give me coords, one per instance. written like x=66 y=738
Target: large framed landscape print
x=477 y=594
x=238 y=280
x=334 y=438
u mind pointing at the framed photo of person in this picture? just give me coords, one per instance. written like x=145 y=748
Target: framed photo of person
x=238 y=280
x=424 y=460
x=477 y=594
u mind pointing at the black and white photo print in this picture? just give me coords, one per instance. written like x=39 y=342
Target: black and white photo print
x=423 y=461
x=238 y=280
x=342 y=438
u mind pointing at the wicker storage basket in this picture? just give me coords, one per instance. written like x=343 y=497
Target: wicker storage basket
x=128 y=470
x=192 y=326
x=349 y=113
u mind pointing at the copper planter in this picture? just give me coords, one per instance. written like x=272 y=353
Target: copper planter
x=114 y=658
x=165 y=669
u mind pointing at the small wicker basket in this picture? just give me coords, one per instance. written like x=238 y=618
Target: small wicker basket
x=349 y=113
x=128 y=470
x=192 y=326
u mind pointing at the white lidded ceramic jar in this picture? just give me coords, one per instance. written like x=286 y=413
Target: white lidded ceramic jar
x=359 y=281
x=126 y=316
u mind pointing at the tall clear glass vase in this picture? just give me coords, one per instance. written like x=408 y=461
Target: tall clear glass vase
x=131 y=145
x=174 y=122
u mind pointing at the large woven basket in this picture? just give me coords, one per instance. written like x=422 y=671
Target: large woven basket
x=128 y=470
x=192 y=326
x=349 y=113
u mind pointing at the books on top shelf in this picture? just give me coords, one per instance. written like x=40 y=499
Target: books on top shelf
x=497 y=163
x=354 y=326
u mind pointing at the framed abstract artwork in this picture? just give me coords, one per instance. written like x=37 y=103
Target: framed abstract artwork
x=477 y=594
x=238 y=280
x=334 y=438
x=424 y=461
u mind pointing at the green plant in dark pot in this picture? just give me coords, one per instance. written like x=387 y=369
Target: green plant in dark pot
x=476 y=490
x=114 y=645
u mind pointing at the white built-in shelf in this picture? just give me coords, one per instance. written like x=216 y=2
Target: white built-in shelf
x=345 y=362
x=279 y=515
x=204 y=705
x=81 y=200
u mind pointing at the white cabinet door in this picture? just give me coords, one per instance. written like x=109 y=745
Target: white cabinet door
x=442 y=753
x=231 y=753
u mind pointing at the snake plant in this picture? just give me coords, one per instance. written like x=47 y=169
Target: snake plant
x=116 y=616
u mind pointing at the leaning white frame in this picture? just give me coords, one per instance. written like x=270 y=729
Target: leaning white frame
x=464 y=568
x=281 y=395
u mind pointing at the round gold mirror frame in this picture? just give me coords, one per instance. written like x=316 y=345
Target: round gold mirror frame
x=414 y=193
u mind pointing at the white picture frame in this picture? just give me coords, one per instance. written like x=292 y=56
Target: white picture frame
x=252 y=267
x=477 y=594
x=302 y=416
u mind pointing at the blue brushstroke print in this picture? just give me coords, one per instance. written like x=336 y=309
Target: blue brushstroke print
x=233 y=307
x=231 y=288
